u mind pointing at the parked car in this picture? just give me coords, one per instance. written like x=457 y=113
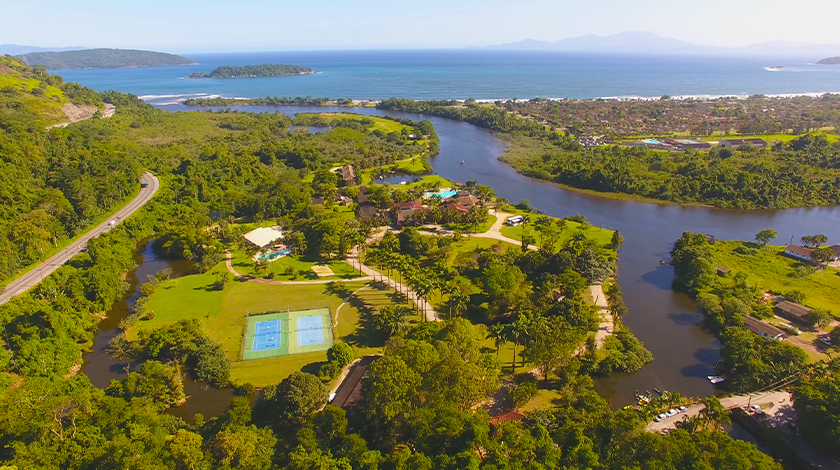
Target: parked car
x=112 y=223
x=671 y=412
x=660 y=417
x=681 y=409
x=826 y=340
x=754 y=408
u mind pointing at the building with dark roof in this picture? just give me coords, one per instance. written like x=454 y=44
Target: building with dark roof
x=765 y=330
x=735 y=143
x=792 y=311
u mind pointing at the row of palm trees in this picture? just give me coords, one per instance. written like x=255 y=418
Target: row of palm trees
x=409 y=275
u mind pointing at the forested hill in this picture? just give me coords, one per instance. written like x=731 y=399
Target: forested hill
x=830 y=61
x=104 y=59
x=264 y=70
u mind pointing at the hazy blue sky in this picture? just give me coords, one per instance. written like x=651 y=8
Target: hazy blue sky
x=249 y=25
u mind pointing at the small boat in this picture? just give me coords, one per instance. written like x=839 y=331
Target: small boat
x=657 y=390
x=715 y=379
x=462 y=162
x=644 y=400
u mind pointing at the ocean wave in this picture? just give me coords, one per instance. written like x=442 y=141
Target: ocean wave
x=181 y=95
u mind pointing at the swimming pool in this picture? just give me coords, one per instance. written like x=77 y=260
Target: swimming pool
x=444 y=194
x=273 y=256
x=652 y=142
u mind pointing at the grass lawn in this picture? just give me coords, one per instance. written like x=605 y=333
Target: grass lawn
x=769 y=137
x=771 y=271
x=466 y=228
x=544 y=399
x=355 y=319
x=302 y=266
x=385 y=125
x=601 y=235
x=222 y=314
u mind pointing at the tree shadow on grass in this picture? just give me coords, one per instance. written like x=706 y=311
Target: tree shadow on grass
x=366 y=335
x=313 y=367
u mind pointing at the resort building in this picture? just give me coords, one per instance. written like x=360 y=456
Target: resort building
x=264 y=236
x=348 y=174
x=765 y=330
x=455 y=207
x=735 y=143
x=404 y=210
x=799 y=252
x=792 y=311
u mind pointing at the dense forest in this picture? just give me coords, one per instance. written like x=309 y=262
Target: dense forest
x=803 y=172
x=417 y=411
x=104 y=59
x=264 y=70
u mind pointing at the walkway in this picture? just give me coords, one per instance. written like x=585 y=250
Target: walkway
x=607 y=325
x=277 y=282
x=429 y=311
x=35 y=275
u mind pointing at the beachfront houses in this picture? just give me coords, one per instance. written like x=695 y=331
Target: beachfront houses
x=792 y=311
x=735 y=143
x=765 y=330
x=264 y=237
x=799 y=252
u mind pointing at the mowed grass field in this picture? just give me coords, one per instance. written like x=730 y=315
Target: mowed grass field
x=223 y=316
x=601 y=235
x=771 y=271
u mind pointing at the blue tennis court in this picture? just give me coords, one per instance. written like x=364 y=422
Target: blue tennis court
x=310 y=330
x=267 y=335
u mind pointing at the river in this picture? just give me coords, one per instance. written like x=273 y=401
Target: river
x=101 y=367
x=665 y=321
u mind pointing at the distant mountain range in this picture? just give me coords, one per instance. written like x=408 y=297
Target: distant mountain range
x=647 y=42
x=830 y=61
x=17 y=49
x=103 y=59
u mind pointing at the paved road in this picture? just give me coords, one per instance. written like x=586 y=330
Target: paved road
x=38 y=273
x=778 y=399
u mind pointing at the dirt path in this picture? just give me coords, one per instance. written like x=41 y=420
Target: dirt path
x=77 y=112
x=607 y=325
x=277 y=282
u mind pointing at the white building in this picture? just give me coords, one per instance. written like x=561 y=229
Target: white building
x=264 y=236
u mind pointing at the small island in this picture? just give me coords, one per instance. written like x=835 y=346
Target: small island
x=830 y=61
x=248 y=71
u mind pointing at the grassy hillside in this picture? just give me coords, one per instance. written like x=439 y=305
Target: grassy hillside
x=104 y=59
x=30 y=94
x=768 y=269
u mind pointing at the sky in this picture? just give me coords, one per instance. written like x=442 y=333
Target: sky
x=250 y=25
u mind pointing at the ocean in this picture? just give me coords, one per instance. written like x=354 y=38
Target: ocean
x=478 y=74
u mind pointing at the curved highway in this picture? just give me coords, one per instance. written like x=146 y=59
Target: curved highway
x=35 y=275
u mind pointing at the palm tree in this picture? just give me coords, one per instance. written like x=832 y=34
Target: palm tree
x=498 y=332
x=458 y=301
